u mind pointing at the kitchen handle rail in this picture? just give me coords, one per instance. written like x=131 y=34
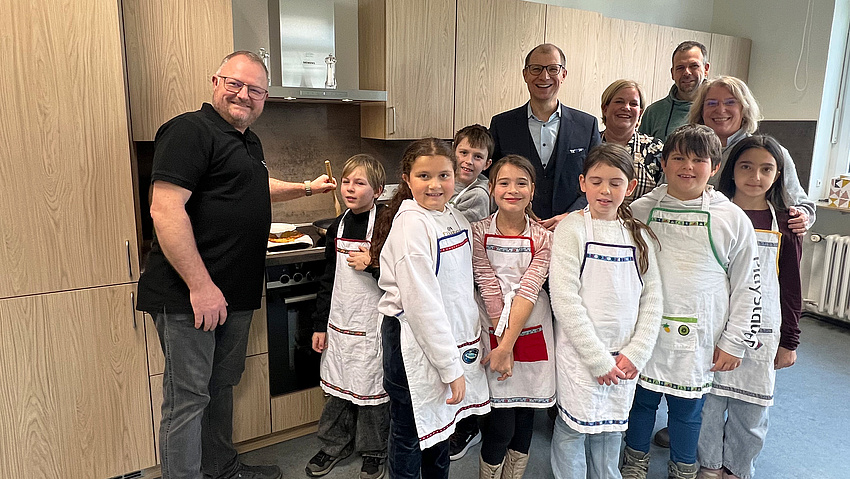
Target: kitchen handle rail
x=133 y=308
x=129 y=259
x=393 y=130
x=299 y=299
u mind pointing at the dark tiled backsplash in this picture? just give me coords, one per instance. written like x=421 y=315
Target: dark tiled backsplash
x=298 y=138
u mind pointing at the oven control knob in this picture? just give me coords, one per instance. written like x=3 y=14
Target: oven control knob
x=309 y=276
x=284 y=278
x=297 y=277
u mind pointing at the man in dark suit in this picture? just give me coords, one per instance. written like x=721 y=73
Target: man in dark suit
x=554 y=137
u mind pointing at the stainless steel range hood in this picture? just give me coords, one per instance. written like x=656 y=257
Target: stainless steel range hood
x=299 y=35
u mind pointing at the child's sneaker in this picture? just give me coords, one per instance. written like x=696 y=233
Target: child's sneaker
x=321 y=464
x=461 y=441
x=705 y=473
x=635 y=464
x=681 y=470
x=373 y=468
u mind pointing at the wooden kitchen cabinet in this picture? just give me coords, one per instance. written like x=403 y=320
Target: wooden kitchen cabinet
x=489 y=78
x=729 y=56
x=68 y=214
x=297 y=409
x=407 y=47
x=76 y=401
x=173 y=47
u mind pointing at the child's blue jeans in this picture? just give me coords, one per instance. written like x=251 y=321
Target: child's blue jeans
x=732 y=436
x=684 y=419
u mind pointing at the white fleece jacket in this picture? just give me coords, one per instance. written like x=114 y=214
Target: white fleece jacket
x=569 y=308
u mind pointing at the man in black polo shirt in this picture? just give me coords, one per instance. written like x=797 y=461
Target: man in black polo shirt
x=211 y=208
x=554 y=137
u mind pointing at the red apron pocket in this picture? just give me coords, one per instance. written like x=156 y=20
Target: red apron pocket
x=530 y=345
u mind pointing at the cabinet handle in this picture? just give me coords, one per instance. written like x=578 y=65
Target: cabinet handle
x=129 y=260
x=393 y=130
x=133 y=308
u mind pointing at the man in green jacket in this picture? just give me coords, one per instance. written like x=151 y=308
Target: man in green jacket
x=690 y=67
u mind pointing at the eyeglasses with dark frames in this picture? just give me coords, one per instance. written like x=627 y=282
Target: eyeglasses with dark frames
x=235 y=86
x=552 y=69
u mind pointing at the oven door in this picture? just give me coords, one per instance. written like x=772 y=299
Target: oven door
x=293 y=365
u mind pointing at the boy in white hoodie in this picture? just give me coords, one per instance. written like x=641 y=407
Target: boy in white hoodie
x=710 y=281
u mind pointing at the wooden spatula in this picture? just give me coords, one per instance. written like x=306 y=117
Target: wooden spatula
x=337 y=206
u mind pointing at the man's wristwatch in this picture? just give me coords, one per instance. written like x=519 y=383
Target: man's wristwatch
x=307 y=190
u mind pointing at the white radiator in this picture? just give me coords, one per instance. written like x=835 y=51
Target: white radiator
x=828 y=264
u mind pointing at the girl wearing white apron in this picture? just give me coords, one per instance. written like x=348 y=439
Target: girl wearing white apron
x=356 y=414
x=511 y=262
x=607 y=302
x=431 y=335
x=751 y=176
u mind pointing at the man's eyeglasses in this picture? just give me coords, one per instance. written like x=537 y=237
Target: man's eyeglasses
x=552 y=69
x=728 y=103
x=235 y=86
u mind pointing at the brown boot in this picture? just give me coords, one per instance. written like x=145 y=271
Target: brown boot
x=635 y=464
x=488 y=471
x=681 y=470
x=515 y=464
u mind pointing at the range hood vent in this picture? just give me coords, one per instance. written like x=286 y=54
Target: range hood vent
x=303 y=40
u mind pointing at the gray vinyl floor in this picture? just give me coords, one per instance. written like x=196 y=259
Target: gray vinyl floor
x=810 y=422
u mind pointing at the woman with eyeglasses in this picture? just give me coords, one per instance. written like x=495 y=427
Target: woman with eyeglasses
x=727 y=106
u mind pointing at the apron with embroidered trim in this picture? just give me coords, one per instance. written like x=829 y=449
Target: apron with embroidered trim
x=435 y=420
x=610 y=291
x=696 y=301
x=533 y=380
x=351 y=367
x=754 y=380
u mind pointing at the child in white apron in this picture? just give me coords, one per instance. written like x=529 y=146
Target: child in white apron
x=728 y=447
x=473 y=146
x=510 y=259
x=710 y=284
x=606 y=296
x=356 y=414
x=430 y=331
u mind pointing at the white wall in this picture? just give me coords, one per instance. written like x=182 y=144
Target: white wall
x=776 y=29
x=690 y=14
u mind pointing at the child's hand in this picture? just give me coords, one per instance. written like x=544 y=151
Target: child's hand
x=320 y=342
x=724 y=361
x=502 y=361
x=552 y=222
x=458 y=387
x=359 y=260
x=612 y=377
x=625 y=365
x=798 y=221
x=784 y=358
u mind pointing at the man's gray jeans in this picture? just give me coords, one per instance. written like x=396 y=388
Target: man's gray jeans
x=201 y=369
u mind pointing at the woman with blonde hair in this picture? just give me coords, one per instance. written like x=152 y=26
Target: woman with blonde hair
x=727 y=106
x=623 y=104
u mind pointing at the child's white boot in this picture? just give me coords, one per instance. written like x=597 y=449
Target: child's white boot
x=489 y=471
x=635 y=464
x=515 y=464
x=681 y=470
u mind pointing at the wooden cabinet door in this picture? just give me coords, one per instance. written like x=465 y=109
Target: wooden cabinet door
x=76 y=400
x=488 y=79
x=174 y=47
x=67 y=218
x=407 y=47
x=668 y=39
x=583 y=36
x=629 y=54
x=729 y=56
